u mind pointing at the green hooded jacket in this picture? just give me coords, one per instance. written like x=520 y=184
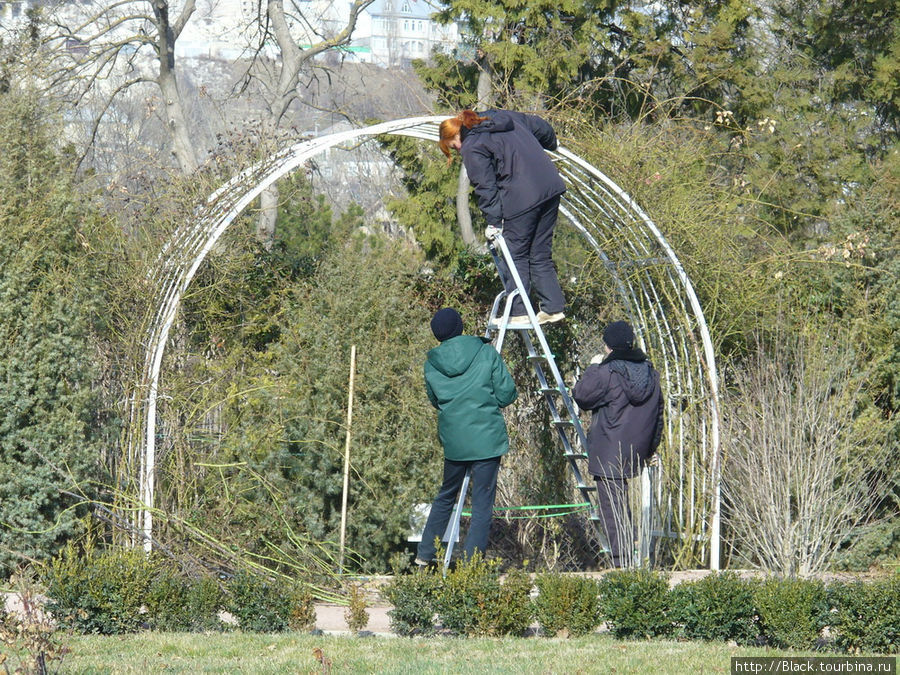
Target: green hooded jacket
x=468 y=383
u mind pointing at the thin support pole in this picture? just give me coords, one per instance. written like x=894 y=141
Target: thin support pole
x=347 y=458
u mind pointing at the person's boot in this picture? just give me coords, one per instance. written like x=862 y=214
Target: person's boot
x=543 y=317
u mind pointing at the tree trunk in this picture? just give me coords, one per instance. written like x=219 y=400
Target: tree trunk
x=268 y=216
x=176 y=120
x=463 y=215
x=283 y=86
x=485 y=100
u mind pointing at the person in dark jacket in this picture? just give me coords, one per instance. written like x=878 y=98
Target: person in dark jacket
x=468 y=383
x=518 y=190
x=622 y=390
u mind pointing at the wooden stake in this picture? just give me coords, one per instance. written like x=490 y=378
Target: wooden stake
x=347 y=459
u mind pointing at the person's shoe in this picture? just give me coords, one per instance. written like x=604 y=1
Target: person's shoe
x=425 y=564
x=521 y=321
x=543 y=317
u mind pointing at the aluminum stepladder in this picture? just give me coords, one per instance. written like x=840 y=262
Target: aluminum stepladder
x=563 y=413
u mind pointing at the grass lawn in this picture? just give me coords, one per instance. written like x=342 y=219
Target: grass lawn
x=294 y=653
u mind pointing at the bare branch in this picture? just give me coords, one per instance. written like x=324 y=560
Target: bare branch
x=800 y=475
x=99 y=118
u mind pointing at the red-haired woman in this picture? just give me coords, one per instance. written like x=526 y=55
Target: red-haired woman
x=518 y=190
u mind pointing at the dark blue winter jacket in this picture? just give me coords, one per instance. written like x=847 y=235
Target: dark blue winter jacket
x=506 y=163
x=624 y=395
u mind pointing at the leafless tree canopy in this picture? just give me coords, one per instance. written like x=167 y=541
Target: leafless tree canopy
x=799 y=473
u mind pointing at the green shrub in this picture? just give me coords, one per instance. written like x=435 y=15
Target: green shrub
x=166 y=603
x=567 y=604
x=466 y=592
x=791 y=611
x=515 y=611
x=120 y=591
x=717 y=607
x=100 y=592
x=635 y=603
x=867 y=615
x=356 y=615
x=413 y=597
x=260 y=604
x=303 y=609
x=179 y=604
x=205 y=599
x=473 y=602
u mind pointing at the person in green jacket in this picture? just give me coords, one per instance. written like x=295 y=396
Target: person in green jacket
x=468 y=383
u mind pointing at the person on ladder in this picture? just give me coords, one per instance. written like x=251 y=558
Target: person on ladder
x=468 y=383
x=518 y=189
x=622 y=390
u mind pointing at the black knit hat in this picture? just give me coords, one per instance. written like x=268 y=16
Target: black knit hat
x=446 y=324
x=618 y=335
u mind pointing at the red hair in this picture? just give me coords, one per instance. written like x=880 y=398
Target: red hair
x=449 y=129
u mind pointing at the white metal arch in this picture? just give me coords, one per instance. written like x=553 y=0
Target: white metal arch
x=651 y=281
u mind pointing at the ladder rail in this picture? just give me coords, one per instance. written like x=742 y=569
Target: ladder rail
x=451 y=533
x=496 y=238
x=563 y=412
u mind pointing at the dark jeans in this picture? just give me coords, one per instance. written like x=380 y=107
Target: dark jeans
x=529 y=237
x=483 y=482
x=615 y=516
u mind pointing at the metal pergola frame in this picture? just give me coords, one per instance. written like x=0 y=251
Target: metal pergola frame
x=654 y=289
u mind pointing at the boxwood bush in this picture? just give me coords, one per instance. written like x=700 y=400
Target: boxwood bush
x=515 y=611
x=103 y=592
x=124 y=590
x=866 y=616
x=176 y=603
x=792 y=612
x=413 y=597
x=259 y=603
x=635 y=603
x=472 y=601
x=717 y=607
x=567 y=604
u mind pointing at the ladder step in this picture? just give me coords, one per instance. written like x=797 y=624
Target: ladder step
x=551 y=390
x=587 y=488
x=563 y=423
x=575 y=455
x=496 y=324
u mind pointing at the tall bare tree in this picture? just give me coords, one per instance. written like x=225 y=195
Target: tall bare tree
x=104 y=50
x=279 y=75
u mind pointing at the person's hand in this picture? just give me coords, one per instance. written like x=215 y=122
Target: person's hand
x=492 y=231
x=598 y=358
x=653 y=460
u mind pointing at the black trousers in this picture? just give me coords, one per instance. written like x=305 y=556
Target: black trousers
x=529 y=237
x=483 y=483
x=615 y=516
